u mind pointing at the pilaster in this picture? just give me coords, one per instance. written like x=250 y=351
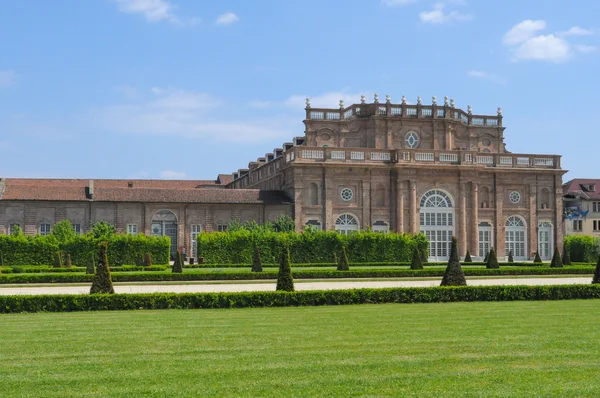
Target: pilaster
x=474 y=241
x=532 y=242
x=462 y=221
x=400 y=211
x=414 y=215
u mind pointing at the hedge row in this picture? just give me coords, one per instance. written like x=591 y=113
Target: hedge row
x=369 y=264
x=583 y=248
x=316 y=274
x=308 y=247
x=42 y=269
x=122 y=249
x=99 y=302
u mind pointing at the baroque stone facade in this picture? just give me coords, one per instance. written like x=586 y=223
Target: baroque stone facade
x=434 y=169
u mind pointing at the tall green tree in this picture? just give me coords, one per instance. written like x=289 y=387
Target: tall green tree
x=454 y=275
x=103 y=230
x=63 y=231
x=102 y=281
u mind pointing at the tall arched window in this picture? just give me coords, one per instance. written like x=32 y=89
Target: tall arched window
x=484 y=197
x=437 y=222
x=516 y=234
x=346 y=224
x=545 y=240
x=164 y=223
x=380 y=195
x=313 y=194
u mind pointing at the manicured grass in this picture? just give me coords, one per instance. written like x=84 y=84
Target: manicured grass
x=523 y=349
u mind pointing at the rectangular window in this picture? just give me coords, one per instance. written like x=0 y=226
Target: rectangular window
x=11 y=227
x=596 y=225
x=132 y=229
x=577 y=225
x=221 y=228
x=44 y=229
x=77 y=229
x=196 y=229
x=596 y=207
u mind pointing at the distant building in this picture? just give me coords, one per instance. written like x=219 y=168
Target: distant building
x=402 y=167
x=581 y=201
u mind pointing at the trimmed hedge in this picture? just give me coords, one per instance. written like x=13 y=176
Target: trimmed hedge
x=367 y=264
x=122 y=249
x=308 y=247
x=317 y=274
x=582 y=248
x=154 y=301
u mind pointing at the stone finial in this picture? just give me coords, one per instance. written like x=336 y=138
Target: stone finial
x=308 y=102
x=469 y=109
x=362 y=99
x=341 y=104
x=404 y=99
x=452 y=102
x=419 y=100
x=376 y=97
x=499 y=111
x=446 y=100
x=434 y=100
x=388 y=99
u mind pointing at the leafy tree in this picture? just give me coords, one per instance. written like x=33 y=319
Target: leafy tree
x=416 y=262
x=102 y=282
x=454 y=275
x=178 y=263
x=492 y=261
x=285 y=281
x=510 y=257
x=234 y=225
x=596 y=278
x=468 y=257
x=284 y=223
x=556 y=259
x=63 y=231
x=58 y=260
x=16 y=231
x=343 y=264
x=566 y=254
x=256 y=261
x=148 y=260
x=103 y=230
x=537 y=259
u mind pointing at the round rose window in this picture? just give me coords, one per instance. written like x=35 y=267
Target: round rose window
x=346 y=194
x=515 y=197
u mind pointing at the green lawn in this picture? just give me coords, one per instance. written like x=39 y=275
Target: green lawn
x=526 y=349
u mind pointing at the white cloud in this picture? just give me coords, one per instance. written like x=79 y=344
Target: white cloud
x=482 y=75
x=152 y=10
x=585 y=49
x=437 y=15
x=544 y=48
x=178 y=112
x=7 y=78
x=172 y=175
x=227 y=19
x=523 y=31
x=396 y=3
x=577 y=31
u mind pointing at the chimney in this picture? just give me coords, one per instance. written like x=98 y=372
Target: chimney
x=130 y=184
x=89 y=190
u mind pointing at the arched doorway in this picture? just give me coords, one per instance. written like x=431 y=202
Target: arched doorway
x=346 y=224
x=516 y=238
x=545 y=240
x=437 y=222
x=164 y=223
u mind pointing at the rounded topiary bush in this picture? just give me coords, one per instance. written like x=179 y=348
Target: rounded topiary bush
x=454 y=275
x=102 y=281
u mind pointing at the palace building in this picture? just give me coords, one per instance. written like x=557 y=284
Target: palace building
x=410 y=168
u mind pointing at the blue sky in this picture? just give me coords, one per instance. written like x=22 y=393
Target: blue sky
x=190 y=89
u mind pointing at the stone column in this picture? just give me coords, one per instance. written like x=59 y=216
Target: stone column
x=559 y=229
x=414 y=214
x=400 y=207
x=532 y=242
x=474 y=241
x=500 y=223
x=298 y=214
x=462 y=221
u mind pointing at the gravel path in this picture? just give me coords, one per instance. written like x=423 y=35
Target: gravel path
x=299 y=285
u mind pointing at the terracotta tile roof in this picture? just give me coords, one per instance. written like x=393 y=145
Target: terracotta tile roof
x=73 y=190
x=224 y=179
x=103 y=183
x=581 y=187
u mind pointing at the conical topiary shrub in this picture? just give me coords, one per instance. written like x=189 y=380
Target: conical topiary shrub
x=537 y=259
x=90 y=268
x=596 y=278
x=424 y=256
x=556 y=259
x=492 y=261
x=178 y=263
x=454 y=275
x=416 y=262
x=102 y=282
x=343 y=265
x=58 y=260
x=566 y=255
x=510 y=257
x=68 y=262
x=485 y=259
x=285 y=281
x=256 y=260
x=148 y=260
x=468 y=257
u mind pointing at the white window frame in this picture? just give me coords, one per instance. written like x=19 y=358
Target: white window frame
x=511 y=234
x=76 y=228
x=346 y=224
x=545 y=227
x=44 y=229
x=485 y=244
x=414 y=137
x=132 y=229
x=195 y=229
x=436 y=221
